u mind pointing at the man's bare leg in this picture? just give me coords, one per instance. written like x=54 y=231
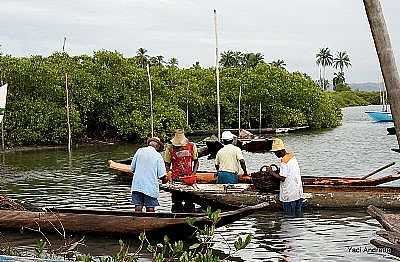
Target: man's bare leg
x=150 y=209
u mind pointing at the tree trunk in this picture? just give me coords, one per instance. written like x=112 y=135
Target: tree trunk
x=386 y=58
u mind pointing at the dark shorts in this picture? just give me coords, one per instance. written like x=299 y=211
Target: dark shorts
x=224 y=177
x=294 y=208
x=140 y=199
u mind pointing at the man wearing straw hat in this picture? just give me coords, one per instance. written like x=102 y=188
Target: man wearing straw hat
x=181 y=157
x=148 y=166
x=291 y=186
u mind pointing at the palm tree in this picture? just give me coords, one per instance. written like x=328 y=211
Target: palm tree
x=338 y=79
x=230 y=59
x=278 y=63
x=160 y=60
x=196 y=65
x=324 y=58
x=252 y=60
x=341 y=60
x=173 y=62
x=142 y=57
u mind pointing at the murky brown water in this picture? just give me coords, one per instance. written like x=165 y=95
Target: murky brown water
x=50 y=178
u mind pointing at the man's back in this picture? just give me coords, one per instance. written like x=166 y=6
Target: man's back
x=228 y=158
x=148 y=166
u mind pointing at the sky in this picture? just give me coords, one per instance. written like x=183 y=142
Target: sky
x=292 y=30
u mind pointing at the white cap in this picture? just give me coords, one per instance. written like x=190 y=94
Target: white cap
x=227 y=135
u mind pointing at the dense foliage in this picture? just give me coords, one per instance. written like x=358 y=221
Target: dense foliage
x=355 y=98
x=110 y=98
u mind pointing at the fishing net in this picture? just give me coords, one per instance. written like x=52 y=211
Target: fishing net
x=264 y=181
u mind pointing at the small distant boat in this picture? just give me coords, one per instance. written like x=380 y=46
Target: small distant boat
x=384 y=115
x=391 y=130
x=380 y=116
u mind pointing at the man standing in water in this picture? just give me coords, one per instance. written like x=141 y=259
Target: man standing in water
x=148 y=167
x=291 y=186
x=228 y=160
x=181 y=159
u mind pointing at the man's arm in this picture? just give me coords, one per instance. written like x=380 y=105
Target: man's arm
x=167 y=166
x=133 y=163
x=243 y=165
x=167 y=158
x=195 y=165
x=277 y=176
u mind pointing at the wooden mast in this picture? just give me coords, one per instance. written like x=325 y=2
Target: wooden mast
x=240 y=101
x=151 y=101
x=386 y=57
x=68 y=122
x=217 y=75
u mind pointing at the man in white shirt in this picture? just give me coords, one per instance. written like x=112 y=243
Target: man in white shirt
x=228 y=161
x=291 y=186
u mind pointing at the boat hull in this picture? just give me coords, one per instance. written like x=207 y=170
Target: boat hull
x=379 y=116
x=122 y=169
x=114 y=222
x=316 y=197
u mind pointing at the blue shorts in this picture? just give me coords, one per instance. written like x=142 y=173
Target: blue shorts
x=140 y=199
x=225 y=177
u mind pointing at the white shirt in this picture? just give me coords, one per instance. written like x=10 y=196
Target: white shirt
x=292 y=188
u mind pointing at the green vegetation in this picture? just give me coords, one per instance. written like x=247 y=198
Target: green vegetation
x=355 y=98
x=110 y=97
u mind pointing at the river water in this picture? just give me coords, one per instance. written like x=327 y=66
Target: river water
x=51 y=178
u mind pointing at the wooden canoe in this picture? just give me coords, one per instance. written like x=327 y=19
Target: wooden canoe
x=114 y=222
x=316 y=197
x=122 y=168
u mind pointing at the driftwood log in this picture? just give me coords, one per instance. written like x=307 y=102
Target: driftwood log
x=391 y=224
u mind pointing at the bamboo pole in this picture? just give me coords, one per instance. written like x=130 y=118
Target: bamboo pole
x=240 y=101
x=151 y=101
x=386 y=57
x=68 y=122
x=187 y=105
x=217 y=75
x=2 y=136
x=65 y=39
x=260 y=117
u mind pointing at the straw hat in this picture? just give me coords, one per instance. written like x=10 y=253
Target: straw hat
x=179 y=138
x=158 y=141
x=277 y=145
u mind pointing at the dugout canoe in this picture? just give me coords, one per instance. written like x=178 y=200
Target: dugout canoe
x=114 y=222
x=122 y=169
x=316 y=197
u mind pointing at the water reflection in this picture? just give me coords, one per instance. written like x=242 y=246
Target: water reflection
x=50 y=178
